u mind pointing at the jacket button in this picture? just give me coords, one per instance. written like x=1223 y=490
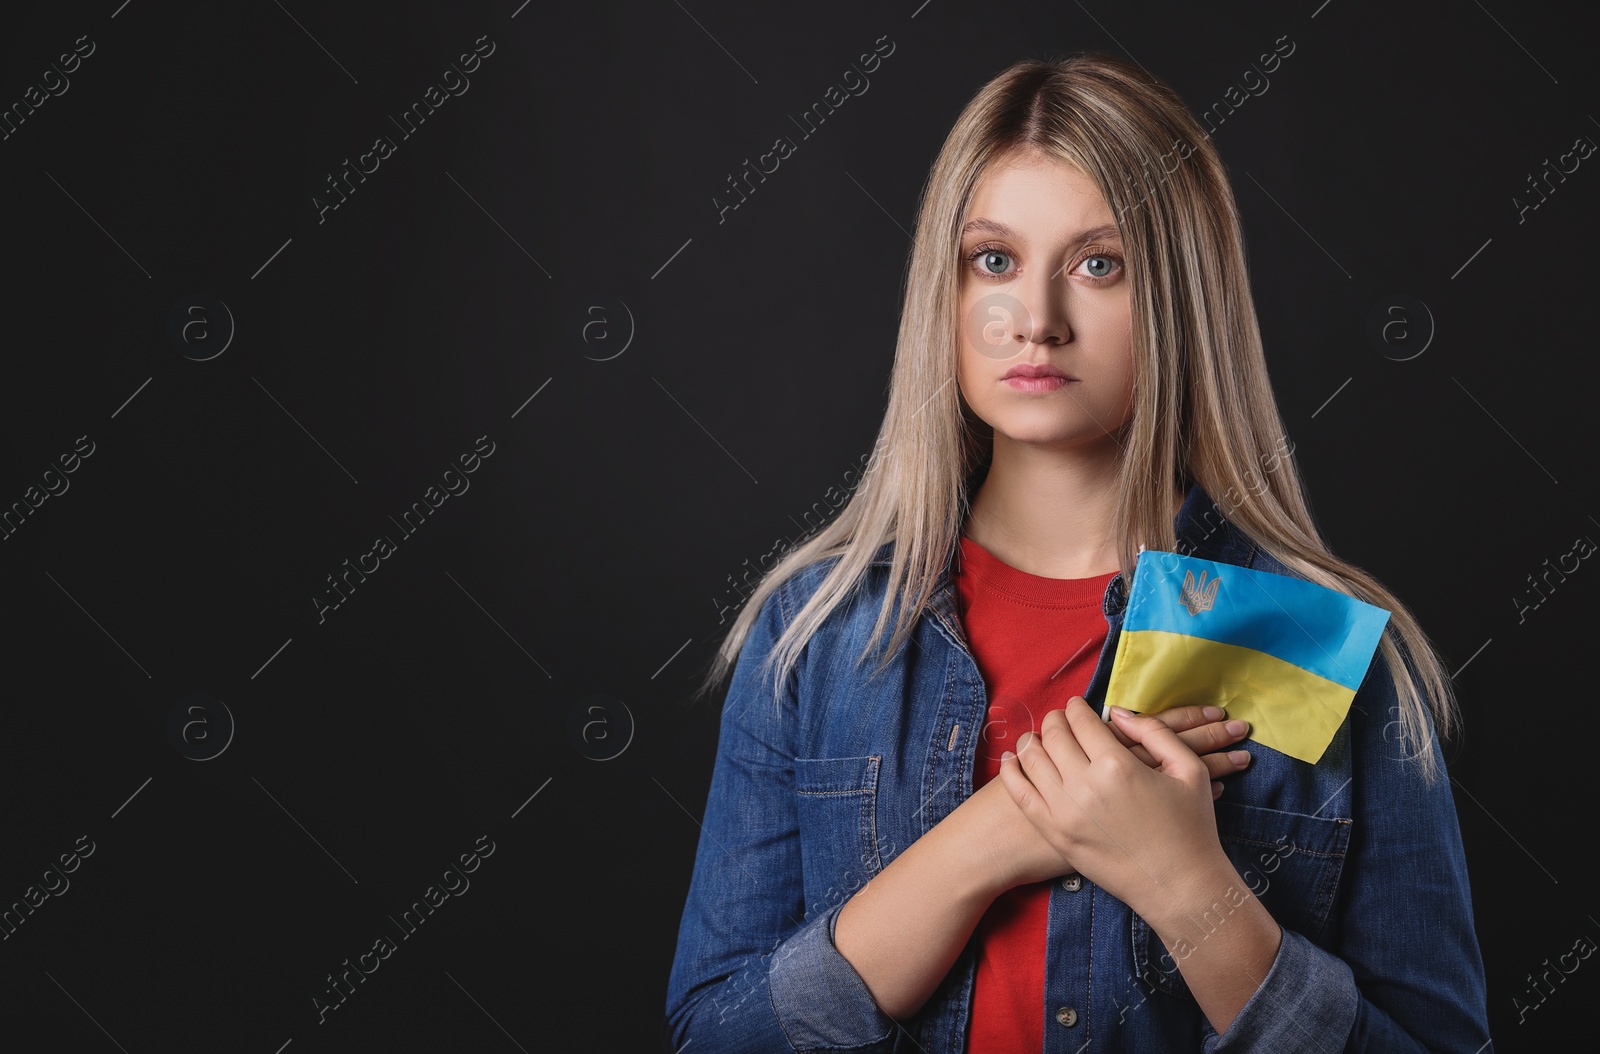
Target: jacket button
x=1072 y=883
x=1066 y=1016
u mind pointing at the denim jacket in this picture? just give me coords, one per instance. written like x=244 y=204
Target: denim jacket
x=818 y=785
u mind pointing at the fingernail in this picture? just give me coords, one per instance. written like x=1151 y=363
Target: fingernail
x=1237 y=728
x=1006 y=756
x=1214 y=713
x=1119 y=710
x=1239 y=757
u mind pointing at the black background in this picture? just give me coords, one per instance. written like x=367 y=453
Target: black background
x=562 y=607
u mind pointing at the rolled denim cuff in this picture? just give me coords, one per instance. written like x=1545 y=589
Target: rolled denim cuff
x=1307 y=1002
x=821 y=1002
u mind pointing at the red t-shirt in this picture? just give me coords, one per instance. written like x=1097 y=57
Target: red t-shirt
x=1036 y=641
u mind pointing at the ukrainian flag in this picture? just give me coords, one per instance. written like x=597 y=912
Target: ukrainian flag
x=1283 y=653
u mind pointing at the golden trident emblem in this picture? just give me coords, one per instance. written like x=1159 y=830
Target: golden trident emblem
x=1198 y=596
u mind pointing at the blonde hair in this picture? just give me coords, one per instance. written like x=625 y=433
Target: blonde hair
x=1204 y=410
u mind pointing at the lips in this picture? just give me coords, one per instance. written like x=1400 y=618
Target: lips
x=1042 y=370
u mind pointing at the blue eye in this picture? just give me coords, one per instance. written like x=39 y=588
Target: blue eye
x=1109 y=263
x=987 y=264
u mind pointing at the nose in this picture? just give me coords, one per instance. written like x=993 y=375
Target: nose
x=1044 y=318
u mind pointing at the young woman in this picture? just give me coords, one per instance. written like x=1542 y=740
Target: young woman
x=946 y=849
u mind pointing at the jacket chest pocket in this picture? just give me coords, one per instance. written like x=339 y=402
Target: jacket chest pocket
x=1290 y=861
x=837 y=803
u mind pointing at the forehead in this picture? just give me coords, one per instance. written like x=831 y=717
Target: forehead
x=1035 y=196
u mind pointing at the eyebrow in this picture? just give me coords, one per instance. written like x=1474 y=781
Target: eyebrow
x=1103 y=231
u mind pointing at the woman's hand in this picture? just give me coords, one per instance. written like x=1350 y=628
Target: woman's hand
x=1013 y=850
x=1203 y=730
x=1136 y=831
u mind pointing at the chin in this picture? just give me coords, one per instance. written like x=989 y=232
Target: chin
x=1058 y=436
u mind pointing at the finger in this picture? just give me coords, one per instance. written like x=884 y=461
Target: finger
x=1020 y=786
x=1223 y=763
x=1172 y=754
x=1214 y=735
x=1093 y=737
x=1062 y=741
x=1216 y=791
x=1183 y=718
x=1036 y=755
x=1218 y=762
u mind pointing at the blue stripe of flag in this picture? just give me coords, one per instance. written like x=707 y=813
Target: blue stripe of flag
x=1316 y=628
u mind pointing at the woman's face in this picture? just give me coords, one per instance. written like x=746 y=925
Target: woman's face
x=1044 y=289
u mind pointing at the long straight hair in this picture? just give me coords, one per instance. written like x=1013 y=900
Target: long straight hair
x=1203 y=407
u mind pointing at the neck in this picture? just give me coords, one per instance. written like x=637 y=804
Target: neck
x=1048 y=513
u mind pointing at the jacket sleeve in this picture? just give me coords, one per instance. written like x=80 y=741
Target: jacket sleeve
x=752 y=973
x=1407 y=975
